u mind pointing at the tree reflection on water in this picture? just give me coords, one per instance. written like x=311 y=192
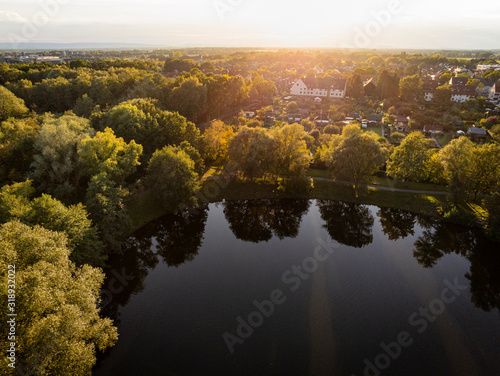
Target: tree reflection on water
x=258 y=220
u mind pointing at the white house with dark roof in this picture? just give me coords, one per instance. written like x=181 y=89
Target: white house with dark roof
x=462 y=93
x=320 y=87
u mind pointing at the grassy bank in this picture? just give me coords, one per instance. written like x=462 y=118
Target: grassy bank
x=385 y=182
x=323 y=190
x=145 y=208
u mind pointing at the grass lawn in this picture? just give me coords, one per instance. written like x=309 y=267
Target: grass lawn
x=385 y=182
x=377 y=130
x=388 y=182
x=445 y=138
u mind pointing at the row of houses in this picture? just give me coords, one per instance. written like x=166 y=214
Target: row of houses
x=337 y=87
x=461 y=91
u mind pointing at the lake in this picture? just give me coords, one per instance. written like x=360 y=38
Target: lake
x=303 y=287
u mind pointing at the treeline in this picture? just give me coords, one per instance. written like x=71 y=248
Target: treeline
x=87 y=87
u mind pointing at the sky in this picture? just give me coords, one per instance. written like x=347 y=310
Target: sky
x=411 y=24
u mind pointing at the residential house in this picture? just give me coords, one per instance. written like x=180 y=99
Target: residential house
x=374 y=119
x=401 y=124
x=320 y=87
x=433 y=129
x=462 y=93
x=353 y=116
x=369 y=88
x=294 y=118
x=483 y=68
x=430 y=84
x=488 y=83
x=321 y=121
x=477 y=134
x=249 y=114
x=495 y=92
x=459 y=81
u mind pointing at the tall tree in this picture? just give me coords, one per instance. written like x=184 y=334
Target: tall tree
x=105 y=202
x=56 y=168
x=217 y=138
x=10 y=105
x=189 y=99
x=486 y=169
x=58 y=324
x=410 y=88
x=354 y=156
x=172 y=178
x=17 y=138
x=252 y=151
x=108 y=154
x=292 y=154
x=410 y=160
x=456 y=158
x=355 y=86
x=17 y=203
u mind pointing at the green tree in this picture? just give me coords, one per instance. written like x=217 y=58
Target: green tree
x=410 y=88
x=292 y=108
x=58 y=323
x=56 y=167
x=445 y=78
x=17 y=138
x=262 y=89
x=397 y=137
x=189 y=99
x=442 y=95
x=292 y=155
x=84 y=106
x=355 y=86
x=388 y=84
x=16 y=203
x=410 y=160
x=105 y=202
x=354 y=156
x=486 y=169
x=180 y=65
x=456 y=158
x=252 y=151
x=172 y=178
x=10 y=105
x=139 y=120
x=108 y=154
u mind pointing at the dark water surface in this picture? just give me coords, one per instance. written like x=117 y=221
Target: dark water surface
x=343 y=289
